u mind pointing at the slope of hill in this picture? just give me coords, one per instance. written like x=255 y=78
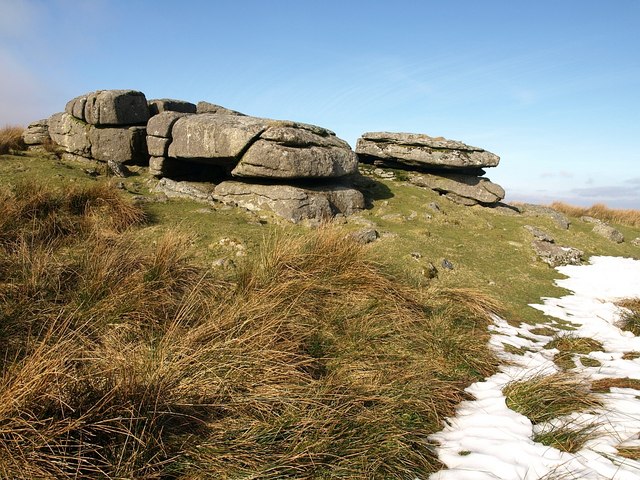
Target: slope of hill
x=187 y=339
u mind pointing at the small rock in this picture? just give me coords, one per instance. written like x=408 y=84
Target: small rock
x=539 y=234
x=491 y=283
x=383 y=173
x=92 y=172
x=636 y=241
x=447 y=264
x=412 y=216
x=416 y=255
x=608 y=232
x=120 y=186
x=364 y=236
x=435 y=207
x=430 y=271
x=225 y=263
x=556 y=255
x=588 y=219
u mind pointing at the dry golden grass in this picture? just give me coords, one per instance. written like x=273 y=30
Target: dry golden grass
x=11 y=139
x=606 y=384
x=632 y=453
x=601 y=212
x=630 y=318
x=126 y=361
x=569 y=346
x=545 y=397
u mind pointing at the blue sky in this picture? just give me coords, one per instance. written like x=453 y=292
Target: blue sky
x=553 y=87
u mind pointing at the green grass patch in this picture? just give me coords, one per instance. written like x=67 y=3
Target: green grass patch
x=546 y=331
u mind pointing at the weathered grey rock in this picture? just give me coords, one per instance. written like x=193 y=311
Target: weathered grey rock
x=159 y=105
x=202 y=192
x=555 y=255
x=608 y=232
x=463 y=189
x=446 y=264
x=588 y=219
x=560 y=219
x=269 y=159
x=636 y=242
x=364 y=236
x=160 y=125
x=117 y=168
x=118 y=144
x=36 y=133
x=206 y=107
x=70 y=133
x=110 y=107
x=292 y=203
x=539 y=234
x=419 y=150
x=216 y=139
x=261 y=148
x=157 y=146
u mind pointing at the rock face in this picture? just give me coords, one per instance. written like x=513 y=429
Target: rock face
x=206 y=107
x=463 y=189
x=37 y=133
x=107 y=125
x=260 y=148
x=110 y=107
x=160 y=105
x=449 y=167
x=294 y=203
x=419 y=150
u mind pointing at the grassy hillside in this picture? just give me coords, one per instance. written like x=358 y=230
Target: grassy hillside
x=132 y=353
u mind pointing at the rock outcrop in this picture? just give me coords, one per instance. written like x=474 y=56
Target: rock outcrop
x=419 y=150
x=160 y=105
x=448 y=167
x=36 y=134
x=296 y=170
x=107 y=125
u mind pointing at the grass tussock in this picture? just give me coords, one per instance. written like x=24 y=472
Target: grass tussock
x=127 y=361
x=569 y=346
x=630 y=316
x=601 y=212
x=11 y=139
x=545 y=397
x=605 y=385
x=567 y=438
x=632 y=453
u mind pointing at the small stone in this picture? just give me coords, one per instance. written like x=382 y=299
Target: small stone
x=608 y=232
x=416 y=255
x=364 y=236
x=447 y=264
x=120 y=186
x=412 y=216
x=636 y=242
x=224 y=263
x=588 y=219
x=539 y=234
x=430 y=271
x=435 y=207
x=555 y=255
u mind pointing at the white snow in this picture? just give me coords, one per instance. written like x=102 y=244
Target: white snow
x=487 y=440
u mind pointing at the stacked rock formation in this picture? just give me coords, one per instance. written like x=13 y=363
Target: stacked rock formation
x=107 y=125
x=36 y=134
x=449 y=167
x=298 y=171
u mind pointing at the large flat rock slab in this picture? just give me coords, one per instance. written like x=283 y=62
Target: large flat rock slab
x=422 y=151
x=294 y=203
x=463 y=189
x=256 y=147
